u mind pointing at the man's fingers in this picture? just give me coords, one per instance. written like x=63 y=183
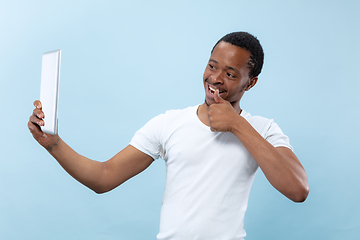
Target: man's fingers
x=35 y=130
x=217 y=97
x=38 y=113
x=33 y=127
x=37 y=116
x=34 y=119
x=38 y=104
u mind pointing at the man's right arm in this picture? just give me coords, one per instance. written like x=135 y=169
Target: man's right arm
x=98 y=176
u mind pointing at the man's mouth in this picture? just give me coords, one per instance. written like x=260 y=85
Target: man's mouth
x=212 y=90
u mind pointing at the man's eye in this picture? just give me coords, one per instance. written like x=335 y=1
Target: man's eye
x=211 y=66
x=230 y=75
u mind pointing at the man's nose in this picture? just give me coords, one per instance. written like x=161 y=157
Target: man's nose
x=217 y=78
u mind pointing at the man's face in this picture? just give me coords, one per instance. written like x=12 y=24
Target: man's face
x=227 y=70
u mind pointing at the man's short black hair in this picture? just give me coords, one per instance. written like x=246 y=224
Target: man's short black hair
x=249 y=42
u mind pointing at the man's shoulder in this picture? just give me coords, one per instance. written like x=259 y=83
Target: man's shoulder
x=261 y=124
x=173 y=116
x=181 y=112
x=187 y=109
x=256 y=118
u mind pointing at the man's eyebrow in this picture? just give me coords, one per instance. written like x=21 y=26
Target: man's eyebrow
x=234 y=69
x=228 y=67
x=212 y=60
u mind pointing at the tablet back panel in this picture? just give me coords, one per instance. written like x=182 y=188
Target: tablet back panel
x=49 y=90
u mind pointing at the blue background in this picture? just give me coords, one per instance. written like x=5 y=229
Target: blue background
x=124 y=62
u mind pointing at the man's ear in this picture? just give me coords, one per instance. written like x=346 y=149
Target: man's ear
x=251 y=83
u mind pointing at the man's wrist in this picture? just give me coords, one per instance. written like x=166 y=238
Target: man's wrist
x=237 y=124
x=53 y=145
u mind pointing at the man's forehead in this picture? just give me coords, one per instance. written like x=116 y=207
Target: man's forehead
x=234 y=55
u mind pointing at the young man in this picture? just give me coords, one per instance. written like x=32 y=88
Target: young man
x=212 y=151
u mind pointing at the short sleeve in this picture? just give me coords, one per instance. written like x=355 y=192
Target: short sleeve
x=148 y=138
x=276 y=137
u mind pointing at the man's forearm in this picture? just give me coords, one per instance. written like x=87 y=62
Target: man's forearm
x=86 y=171
x=280 y=166
x=98 y=176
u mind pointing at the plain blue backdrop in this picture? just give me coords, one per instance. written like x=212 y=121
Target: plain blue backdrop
x=124 y=62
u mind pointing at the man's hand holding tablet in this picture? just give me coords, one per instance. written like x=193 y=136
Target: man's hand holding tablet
x=43 y=122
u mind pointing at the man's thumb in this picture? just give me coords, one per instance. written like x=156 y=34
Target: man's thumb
x=217 y=97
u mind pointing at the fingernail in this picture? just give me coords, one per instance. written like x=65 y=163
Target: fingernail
x=44 y=135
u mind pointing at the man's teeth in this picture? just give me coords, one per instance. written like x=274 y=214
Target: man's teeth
x=212 y=90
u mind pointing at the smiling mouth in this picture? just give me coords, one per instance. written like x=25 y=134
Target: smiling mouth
x=212 y=90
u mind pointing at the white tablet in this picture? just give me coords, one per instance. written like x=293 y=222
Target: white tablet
x=49 y=90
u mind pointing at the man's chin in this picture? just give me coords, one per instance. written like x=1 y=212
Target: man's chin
x=208 y=102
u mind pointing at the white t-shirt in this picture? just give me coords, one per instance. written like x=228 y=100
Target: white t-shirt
x=208 y=174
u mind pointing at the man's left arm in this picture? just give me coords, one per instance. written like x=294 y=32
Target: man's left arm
x=279 y=164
